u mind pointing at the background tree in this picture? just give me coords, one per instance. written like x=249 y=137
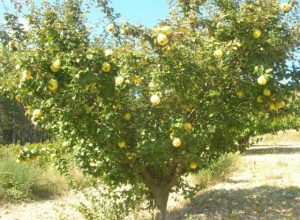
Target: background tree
x=15 y=126
x=147 y=107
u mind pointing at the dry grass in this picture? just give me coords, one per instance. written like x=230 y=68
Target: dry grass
x=290 y=137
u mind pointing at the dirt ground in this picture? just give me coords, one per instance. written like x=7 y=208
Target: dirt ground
x=266 y=186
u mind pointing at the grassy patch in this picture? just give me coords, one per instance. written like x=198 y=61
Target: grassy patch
x=23 y=181
x=217 y=172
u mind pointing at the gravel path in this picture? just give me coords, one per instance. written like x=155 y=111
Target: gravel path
x=267 y=186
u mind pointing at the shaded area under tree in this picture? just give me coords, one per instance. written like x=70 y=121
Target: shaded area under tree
x=265 y=202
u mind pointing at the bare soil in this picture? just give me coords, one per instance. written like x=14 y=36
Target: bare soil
x=266 y=186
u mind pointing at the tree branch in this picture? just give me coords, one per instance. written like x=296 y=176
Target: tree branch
x=176 y=175
x=148 y=180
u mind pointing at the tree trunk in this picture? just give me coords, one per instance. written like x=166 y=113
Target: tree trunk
x=244 y=144
x=161 y=191
x=161 y=200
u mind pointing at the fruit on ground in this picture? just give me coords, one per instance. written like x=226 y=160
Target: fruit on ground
x=267 y=92
x=155 y=100
x=262 y=80
x=218 y=54
x=52 y=84
x=162 y=39
x=176 y=142
x=106 y=67
x=121 y=144
x=256 y=33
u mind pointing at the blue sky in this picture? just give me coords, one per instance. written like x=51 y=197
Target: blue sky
x=146 y=12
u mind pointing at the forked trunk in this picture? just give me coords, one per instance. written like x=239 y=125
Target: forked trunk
x=161 y=192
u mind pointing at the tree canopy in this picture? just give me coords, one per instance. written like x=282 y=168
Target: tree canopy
x=148 y=106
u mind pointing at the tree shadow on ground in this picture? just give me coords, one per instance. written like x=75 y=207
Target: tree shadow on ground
x=272 y=150
x=265 y=202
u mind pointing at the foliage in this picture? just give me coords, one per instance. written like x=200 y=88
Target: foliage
x=160 y=103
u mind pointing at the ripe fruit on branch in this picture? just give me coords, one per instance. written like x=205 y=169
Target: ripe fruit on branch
x=193 y=165
x=155 y=100
x=188 y=126
x=260 y=99
x=52 y=84
x=218 y=54
x=127 y=116
x=189 y=108
x=136 y=79
x=267 y=92
x=272 y=107
x=55 y=67
x=129 y=156
x=273 y=98
x=121 y=144
x=106 y=67
x=12 y=44
x=26 y=75
x=37 y=113
x=167 y=30
x=171 y=136
x=110 y=28
x=176 y=142
x=119 y=80
x=262 y=80
x=280 y=105
x=108 y=52
x=240 y=93
x=162 y=39
x=256 y=33
x=285 y=7
x=18 y=98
